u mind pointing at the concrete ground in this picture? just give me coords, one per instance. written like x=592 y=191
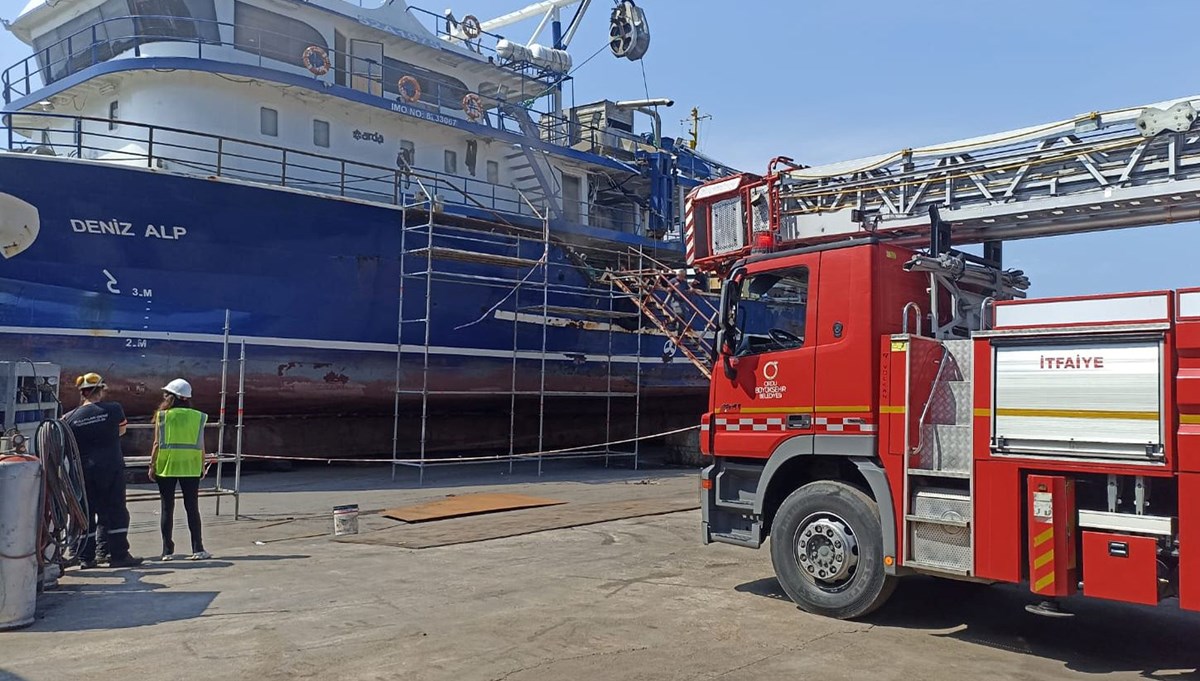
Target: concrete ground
x=629 y=599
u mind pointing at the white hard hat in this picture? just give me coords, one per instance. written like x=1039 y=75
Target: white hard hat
x=179 y=387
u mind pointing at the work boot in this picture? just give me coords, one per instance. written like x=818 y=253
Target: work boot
x=89 y=564
x=126 y=562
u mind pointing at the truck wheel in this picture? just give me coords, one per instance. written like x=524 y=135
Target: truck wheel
x=827 y=549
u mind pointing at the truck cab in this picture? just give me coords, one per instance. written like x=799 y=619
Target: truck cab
x=793 y=397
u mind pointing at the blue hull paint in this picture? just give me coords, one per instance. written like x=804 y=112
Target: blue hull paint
x=159 y=258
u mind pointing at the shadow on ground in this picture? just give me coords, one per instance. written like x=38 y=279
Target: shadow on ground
x=1103 y=637
x=94 y=600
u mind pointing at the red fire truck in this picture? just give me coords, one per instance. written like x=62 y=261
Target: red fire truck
x=885 y=403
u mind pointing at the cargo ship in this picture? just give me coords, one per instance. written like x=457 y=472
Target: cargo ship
x=398 y=214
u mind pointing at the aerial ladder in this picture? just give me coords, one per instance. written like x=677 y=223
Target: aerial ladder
x=1128 y=167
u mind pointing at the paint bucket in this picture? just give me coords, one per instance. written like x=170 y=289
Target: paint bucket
x=345 y=520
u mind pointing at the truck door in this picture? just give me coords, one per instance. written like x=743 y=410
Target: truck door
x=763 y=386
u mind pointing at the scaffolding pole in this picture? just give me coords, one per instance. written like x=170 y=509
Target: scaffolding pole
x=221 y=410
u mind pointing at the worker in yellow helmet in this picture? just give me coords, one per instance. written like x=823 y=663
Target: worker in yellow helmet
x=98 y=425
x=177 y=458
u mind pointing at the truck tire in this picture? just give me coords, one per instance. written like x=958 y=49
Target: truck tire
x=827 y=549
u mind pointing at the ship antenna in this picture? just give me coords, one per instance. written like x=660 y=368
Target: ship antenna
x=695 y=127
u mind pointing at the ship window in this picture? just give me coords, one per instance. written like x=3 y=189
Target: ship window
x=90 y=38
x=321 y=133
x=103 y=32
x=160 y=20
x=268 y=122
x=112 y=114
x=273 y=35
x=436 y=89
x=451 y=162
x=493 y=172
x=771 y=311
x=572 y=191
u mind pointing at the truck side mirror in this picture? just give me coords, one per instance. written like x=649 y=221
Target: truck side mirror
x=726 y=328
x=725 y=349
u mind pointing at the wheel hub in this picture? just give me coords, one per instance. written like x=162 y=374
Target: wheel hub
x=826 y=550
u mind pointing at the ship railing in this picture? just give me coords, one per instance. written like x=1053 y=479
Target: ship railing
x=450 y=29
x=137 y=36
x=202 y=154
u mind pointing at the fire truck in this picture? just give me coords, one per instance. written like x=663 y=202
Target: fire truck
x=885 y=400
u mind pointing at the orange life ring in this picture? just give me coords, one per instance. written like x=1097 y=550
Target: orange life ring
x=471 y=27
x=473 y=106
x=410 y=89
x=315 y=59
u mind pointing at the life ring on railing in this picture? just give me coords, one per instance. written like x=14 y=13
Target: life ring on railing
x=473 y=106
x=315 y=59
x=410 y=89
x=471 y=27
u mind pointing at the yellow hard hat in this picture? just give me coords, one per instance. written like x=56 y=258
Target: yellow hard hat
x=89 y=380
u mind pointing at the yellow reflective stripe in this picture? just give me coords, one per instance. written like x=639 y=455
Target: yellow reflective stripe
x=1044 y=582
x=892 y=409
x=1043 y=559
x=1189 y=419
x=1081 y=414
x=1044 y=537
x=983 y=412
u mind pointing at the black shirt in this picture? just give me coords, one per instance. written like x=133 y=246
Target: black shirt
x=97 y=430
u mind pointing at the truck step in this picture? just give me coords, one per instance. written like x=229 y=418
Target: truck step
x=735 y=538
x=736 y=505
x=935 y=568
x=945 y=522
x=932 y=473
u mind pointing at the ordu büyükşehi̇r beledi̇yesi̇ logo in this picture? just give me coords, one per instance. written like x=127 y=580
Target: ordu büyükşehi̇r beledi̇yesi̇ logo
x=19 y=225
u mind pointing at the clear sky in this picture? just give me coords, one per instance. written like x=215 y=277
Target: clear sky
x=828 y=81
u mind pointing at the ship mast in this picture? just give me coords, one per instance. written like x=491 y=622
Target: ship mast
x=695 y=129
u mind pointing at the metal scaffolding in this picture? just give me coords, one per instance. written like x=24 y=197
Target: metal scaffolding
x=222 y=456
x=429 y=253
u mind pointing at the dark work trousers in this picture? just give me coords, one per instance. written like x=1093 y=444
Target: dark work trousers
x=190 y=487
x=105 y=487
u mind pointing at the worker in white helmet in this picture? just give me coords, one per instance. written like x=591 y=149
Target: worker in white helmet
x=177 y=459
x=98 y=425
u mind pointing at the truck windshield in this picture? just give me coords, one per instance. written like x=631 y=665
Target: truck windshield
x=771 y=311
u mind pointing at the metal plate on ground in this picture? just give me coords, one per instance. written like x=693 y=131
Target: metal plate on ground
x=466 y=504
x=485 y=527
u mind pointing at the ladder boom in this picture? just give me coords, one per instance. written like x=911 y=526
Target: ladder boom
x=1105 y=170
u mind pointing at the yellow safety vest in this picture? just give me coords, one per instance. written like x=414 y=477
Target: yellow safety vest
x=180 y=443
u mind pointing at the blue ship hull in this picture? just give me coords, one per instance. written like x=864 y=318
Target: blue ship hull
x=133 y=272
